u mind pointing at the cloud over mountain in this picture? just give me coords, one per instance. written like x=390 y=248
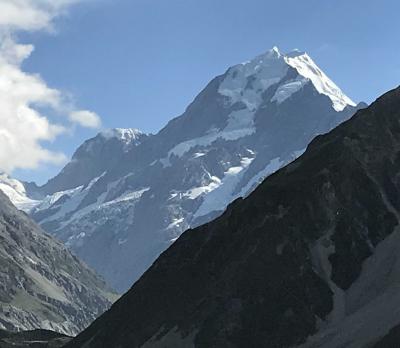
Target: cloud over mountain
x=26 y=101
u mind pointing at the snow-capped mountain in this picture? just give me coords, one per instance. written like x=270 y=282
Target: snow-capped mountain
x=94 y=157
x=310 y=259
x=119 y=203
x=42 y=285
x=16 y=192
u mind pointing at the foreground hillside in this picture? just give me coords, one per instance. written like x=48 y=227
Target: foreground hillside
x=32 y=339
x=311 y=258
x=42 y=285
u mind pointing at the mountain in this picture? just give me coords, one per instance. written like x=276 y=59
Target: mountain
x=17 y=193
x=119 y=208
x=93 y=158
x=42 y=285
x=309 y=259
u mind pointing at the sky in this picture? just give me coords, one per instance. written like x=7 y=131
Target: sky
x=139 y=63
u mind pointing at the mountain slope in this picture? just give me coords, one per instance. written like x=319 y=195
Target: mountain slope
x=32 y=339
x=42 y=285
x=15 y=190
x=94 y=157
x=243 y=126
x=310 y=258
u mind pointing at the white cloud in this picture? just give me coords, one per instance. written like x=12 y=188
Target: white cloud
x=23 y=126
x=85 y=118
x=30 y=14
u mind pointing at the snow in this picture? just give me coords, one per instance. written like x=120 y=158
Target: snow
x=31 y=260
x=248 y=81
x=271 y=168
x=287 y=89
x=306 y=67
x=175 y=223
x=75 y=197
x=180 y=149
x=240 y=121
x=127 y=135
x=82 y=219
x=220 y=196
x=128 y=196
x=50 y=200
x=198 y=191
x=219 y=192
x=199 y=154
x=274 y=165
x=101 y=204
x=15 y=191
x=233 y=131
x=122 y=241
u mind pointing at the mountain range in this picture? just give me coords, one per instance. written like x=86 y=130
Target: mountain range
x=126 y=196
x=309 y=259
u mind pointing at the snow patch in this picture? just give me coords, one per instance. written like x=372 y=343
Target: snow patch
x=289 y=88
x=199 y=154
x=220 y=196
x=233 y=131
x=127 y=135
x=175 y=223
x=198 y=191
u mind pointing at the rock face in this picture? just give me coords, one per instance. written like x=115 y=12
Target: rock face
x=310 y=259
x=32 y=339
x=118 y=207
x=42 y=285
x=93 y=158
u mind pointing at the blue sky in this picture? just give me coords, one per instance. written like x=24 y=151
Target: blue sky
x=139 y=63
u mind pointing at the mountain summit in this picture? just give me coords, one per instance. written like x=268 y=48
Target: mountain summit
x=271 y=68
x=125 y=196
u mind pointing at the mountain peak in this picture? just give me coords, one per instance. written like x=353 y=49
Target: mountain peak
x=15 y=191
x=274 y=52
x=125 y=134
x=270 y=69
x=307 y=68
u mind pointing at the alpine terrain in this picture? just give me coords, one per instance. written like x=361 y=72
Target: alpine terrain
x=42 y=285
x=126 y=196
x=309 y=259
